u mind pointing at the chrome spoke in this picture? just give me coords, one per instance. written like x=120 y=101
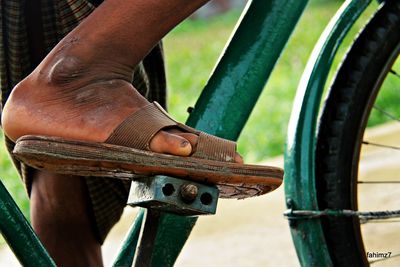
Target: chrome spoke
x=384 y=259
x=387 y=114
x=394 y=73
x=378 y=182
x=380 y=145
x=378 y=221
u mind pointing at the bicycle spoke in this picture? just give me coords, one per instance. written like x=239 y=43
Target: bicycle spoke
x=394 y=73
x=380 y=145
x=363 y=215
x=378 y=182
x=377 y=221
x=387 y=114
x=384 y=259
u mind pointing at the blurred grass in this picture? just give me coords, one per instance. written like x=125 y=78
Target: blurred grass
x=191 y=52
x=193 y=48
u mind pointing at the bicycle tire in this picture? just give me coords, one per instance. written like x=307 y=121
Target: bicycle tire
x=341 y=129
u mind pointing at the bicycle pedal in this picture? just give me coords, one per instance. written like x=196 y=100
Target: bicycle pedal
x=174 y=195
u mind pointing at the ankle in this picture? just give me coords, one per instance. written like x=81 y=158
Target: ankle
x=48 y=101
x=70 y=70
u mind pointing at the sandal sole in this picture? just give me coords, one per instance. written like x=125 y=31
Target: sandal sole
x=100 y=159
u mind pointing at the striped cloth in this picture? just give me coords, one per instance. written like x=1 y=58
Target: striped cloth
x=58 y=18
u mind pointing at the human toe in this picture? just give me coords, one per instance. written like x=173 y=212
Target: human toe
x=168 y=143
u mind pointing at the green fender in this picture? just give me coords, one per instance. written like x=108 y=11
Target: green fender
x=301 y=141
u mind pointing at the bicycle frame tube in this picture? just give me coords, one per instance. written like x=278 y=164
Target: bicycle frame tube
x=244 y=68
x=231 y=93
x=127 y=251
x=300 y=148
x=19 y=234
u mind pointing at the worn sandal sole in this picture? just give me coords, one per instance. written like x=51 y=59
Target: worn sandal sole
x=100 y=159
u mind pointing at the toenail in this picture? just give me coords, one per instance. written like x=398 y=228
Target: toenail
x=184 y=143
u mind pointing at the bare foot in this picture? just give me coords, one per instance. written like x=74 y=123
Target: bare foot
x=71 y=100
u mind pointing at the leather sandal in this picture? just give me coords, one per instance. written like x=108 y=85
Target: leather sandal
x=126 y=155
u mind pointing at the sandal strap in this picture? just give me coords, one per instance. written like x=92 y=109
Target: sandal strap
x=215 y=148
x=138 y=129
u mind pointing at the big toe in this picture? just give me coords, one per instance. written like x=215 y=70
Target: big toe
x=178 y=143
x=168 y=143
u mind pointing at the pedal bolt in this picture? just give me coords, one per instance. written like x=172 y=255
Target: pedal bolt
x=188 y=193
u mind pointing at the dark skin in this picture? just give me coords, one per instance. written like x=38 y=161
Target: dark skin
x=81 y=80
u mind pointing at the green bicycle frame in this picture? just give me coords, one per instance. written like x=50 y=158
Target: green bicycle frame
x=231 y=93
x=222 y=109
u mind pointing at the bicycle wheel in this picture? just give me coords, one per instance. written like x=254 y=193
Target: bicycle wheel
x=360 y=79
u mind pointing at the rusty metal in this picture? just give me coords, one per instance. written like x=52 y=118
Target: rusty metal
x=174 y=195
x=189 y=193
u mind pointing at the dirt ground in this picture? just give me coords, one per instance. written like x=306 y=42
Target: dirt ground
x=254 y=233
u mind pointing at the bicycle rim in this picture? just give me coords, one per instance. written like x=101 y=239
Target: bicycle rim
x=347 y=111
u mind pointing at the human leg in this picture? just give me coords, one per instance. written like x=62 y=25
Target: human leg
x=62 y=217
x=86 y=74
x=61 y=209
